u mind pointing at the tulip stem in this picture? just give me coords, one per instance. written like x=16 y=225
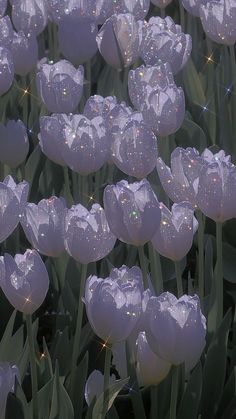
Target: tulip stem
x=143 y=266
x=200 y=240
x=156 y=269
x=79 y=319
x=233 y=70
x=107 y=368
x=181 y=12
x=174 y=393
x=219 y=273
x=69 y=197
x=179 y=279
x=154 y=402
x=33 y=369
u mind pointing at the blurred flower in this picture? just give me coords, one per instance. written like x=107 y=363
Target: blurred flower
x=8 y=375
x=134 y=147
x=174 y=238
x=95 y=385
x=87 y=235
x=85 y=147
x=193 y=6
x=151 y=369
x=59 y=9
x=99 y=106
x=25 y=281
x=13 y=136
x=60 y=86
x=13 y=199
x=6 y=70
x=218 y=20
x=163 y=40
x=6 y=32
x=50 y=136
x=113 y=304
x=43 y=225
x=139 y=8
x=3 y=7
x=101 y=10
x=77 y=39
x=132 y=211
x=24 y=50
x=161 y=3
x=176 y=329
x=29 y=15
x=117 y=115
x=119 y=40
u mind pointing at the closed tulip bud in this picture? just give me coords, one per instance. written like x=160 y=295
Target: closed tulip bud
x=174 y=238
x=77 y=39
x=59 y=9
x=6 y=32
x=3 y=7
x=30 y=15
x=25 y=282
x=134 y=148
x=13 y=136
x=24 y=50
x=8 y=375
x=95 y=385
x=163 y=40
x=218 y=20
x=139 y=8
x=193 y=6
x=161 y=3
x=13 y=200
x=43 y=225
x=87 y=235
x=99 y=106
x=151 y=369
x=119 y=40
x=6 y=70
x=60 y=86
x=114 y=304
x=101 y=10
x=50 y=137
x=132 y=211
x=85 y=147
x=176 y=328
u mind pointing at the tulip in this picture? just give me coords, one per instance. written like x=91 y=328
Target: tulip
x=101 y=10
x=87 y=235
x=119 y=40
x=24 y=50
x=85 y=147
x=6 y=32
x=13 y=200
x=60 y=86
x=43 y=225
x=132 y=211
x=50 y=137
x=174 y=237
x=161 y=3
x=114 y=304
x=94 y=386
x=151 y=369
x=163 y=40
x=99 y=106
x=59 y=9
x=8 y=375
x=77 y=39
x=30 y=15
x=134 y=148
x=176 y=328
x=13 y=136
x=218 y=20
x=25 y=281
x=6 y=70
x=139 y=8
x=3 y=7
x=117 y=115
x=193 y=6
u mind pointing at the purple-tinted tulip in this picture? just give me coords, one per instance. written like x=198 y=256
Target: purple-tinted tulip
x=132 y=211
x=85 y=147
x=134 y=147
x=99 y=106
x=174 y=238
x=117 y=115
x=59 y=9
x=114 y=304
x=6 y=70
x=219 y=20
x=30 y=15
x=3 y=7
x=13 y=199
x=51 y=138
x=24 y=50
x=95 y=385
x=161 y=3
x=43 y=225
x=139 y=8
x=13 y=136
x=101 y=10
x=8 y=375
x=176 y=329
x=60 y=86
x=87 y=235
x=6 y=32
x=151 y=369
x=193 y=6
x=119 y=40
x=77 y=39
x=24 y=280
x=163 y=40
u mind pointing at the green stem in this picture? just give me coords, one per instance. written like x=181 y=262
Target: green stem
x=163 y=12
x=143 y=266
x=156 y=269
x=179 y=279
x=219 y=273
x=107 y=368
x=79 y=319
x=135 y=393
x=33 y=369
x=154 y=402
x=174 y=393
x=88 y=79
x=233 y=72
x=67 y=186
x=200 y=241
x=181 y=12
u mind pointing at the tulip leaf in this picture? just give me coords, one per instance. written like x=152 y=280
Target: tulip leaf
x=190 y=134
x=80 y=380
x=6 y=339
x=21 y=396
x=61 y=350
x=190 y=402
x=228 y=394
x=61 y=406
x=44 y=399
x=192 y=84
x=229 y=262
x=114 y=389
x=33 y=169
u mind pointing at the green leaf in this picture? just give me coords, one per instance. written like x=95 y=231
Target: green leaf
x=190 y=134
x=114 y=389
x=193 y=84
x=190 y=403
x=228 y=394
x=61 y=407
x=33 y=169
x=229 y=263
x=44 y=399
x=5 y=343
x=80 y=380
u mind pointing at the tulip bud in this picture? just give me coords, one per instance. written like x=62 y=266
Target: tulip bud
x=6 y=32
x=24 y=50
x=8 y=375
x=174 y=238
x=60 y=86
x=119 y=40
x=29 y=15
x=13 y=136
x=117 y=115
x=132 y=211
x=25 y=282
x=114 y=304
x=176 y=328
x=87 y=235
x=101 y=10
x=50 y=137
x=59 y=9
x=99 y=106
x=193 y=6
x=6 y=70
x=139 y=8
x=95 y=385
x=43 y=225
x=3 y=7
